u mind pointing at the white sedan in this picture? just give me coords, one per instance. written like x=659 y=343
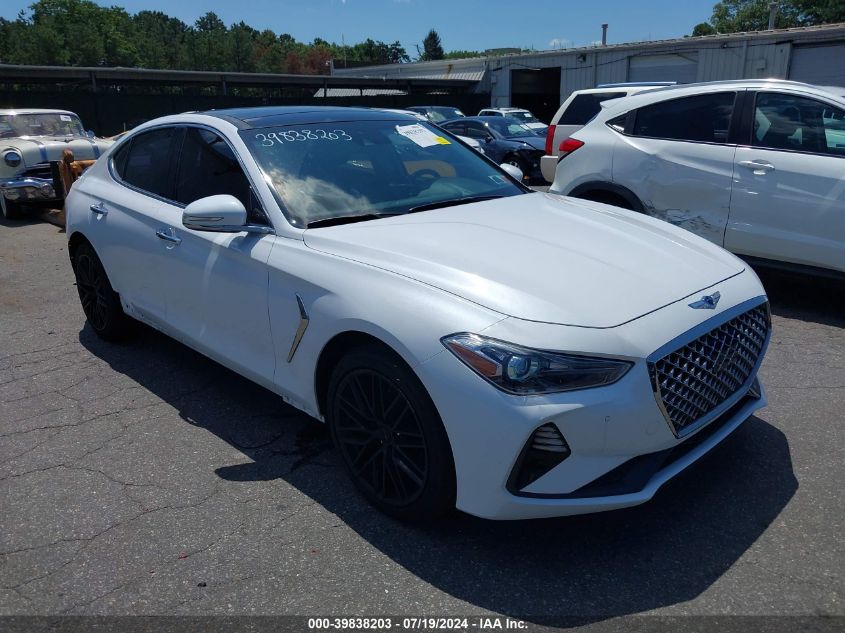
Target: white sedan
x=468 y=342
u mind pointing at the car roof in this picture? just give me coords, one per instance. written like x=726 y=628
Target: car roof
x=15 y=111
x=640 y=99
x=621 y=89
x=483 y=119
x=269 y=116
x=505 y=109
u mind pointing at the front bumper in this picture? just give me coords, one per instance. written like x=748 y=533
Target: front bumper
x=622 y=447
x=28 y=189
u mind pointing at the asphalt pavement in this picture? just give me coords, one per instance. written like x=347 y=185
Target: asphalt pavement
x=143 y=478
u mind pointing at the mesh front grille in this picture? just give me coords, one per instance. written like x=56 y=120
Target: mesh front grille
x=695 y=379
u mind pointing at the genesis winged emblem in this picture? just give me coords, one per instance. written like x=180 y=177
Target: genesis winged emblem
x=707 y=302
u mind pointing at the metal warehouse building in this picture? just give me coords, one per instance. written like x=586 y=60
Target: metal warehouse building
x=540 y=81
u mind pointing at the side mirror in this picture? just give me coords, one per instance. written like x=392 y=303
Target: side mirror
x=221 y=214
x=488 y=138
x=513 y=171
x=90 y=134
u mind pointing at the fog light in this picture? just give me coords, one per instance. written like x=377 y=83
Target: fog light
x=545 y=449
x=47 y=191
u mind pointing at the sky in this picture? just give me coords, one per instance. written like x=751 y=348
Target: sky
x=462 y=24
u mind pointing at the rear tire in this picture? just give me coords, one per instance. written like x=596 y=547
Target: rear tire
x=10 y=210
x=390 y=436
x=100 y=303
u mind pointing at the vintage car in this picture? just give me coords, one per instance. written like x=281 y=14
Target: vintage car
x=30 y=140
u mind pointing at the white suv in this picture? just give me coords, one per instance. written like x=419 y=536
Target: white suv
x=753 y=165
x=577 y=110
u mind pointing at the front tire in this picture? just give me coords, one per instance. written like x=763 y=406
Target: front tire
x=390 y=436
x=100 y=303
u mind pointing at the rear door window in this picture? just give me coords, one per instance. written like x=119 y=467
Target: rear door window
x=701 y=118
x=585 y=106
x=476 y=130
x=146 y=164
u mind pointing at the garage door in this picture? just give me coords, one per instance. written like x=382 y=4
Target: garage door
x=680 y=68
x=822 y=65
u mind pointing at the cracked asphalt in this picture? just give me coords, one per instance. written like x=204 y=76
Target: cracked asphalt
x=145 y=479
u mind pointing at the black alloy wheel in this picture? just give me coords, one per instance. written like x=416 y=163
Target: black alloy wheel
x=100 y=302
x=390 y=436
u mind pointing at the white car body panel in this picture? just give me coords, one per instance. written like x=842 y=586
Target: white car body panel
x=686 y=184
x=515 y=269
x=552 y=234
x=796 y=212
x=549 y=162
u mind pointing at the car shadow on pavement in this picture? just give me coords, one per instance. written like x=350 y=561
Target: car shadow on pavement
x=560 y=572
x=25 y=220
x=814 y=299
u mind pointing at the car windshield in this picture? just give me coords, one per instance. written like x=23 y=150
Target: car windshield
x=360 y=169
x=40 y=124
x=438 y=115
x=525 y=117
x=509 y=127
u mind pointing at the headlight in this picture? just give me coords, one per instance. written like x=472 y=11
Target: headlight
x=12 y=158
x=521 y=370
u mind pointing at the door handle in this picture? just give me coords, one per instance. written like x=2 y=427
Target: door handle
x=99 y=208
x=759 y=167
x=167 y=236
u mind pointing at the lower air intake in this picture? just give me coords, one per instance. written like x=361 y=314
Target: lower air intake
x=545 y=449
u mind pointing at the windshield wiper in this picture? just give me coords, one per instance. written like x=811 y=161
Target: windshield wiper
x=348 y=219
x=451 y=203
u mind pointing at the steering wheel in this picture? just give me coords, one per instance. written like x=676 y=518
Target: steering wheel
x=426 y=174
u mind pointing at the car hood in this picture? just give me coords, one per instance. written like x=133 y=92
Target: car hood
x=539 y=257
x=536 y=142
x=42 y=149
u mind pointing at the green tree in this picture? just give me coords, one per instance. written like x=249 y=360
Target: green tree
x=733 y=16
x=704 y=28
x=83 y=33
x=207 y=43
x=432 y=47
x=240 y=48
x=161 y=41
x=269 y=57
x=463 y=54
x=396 y=53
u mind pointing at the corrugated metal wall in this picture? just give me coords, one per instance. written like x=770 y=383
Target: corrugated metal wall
x=738 y=56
